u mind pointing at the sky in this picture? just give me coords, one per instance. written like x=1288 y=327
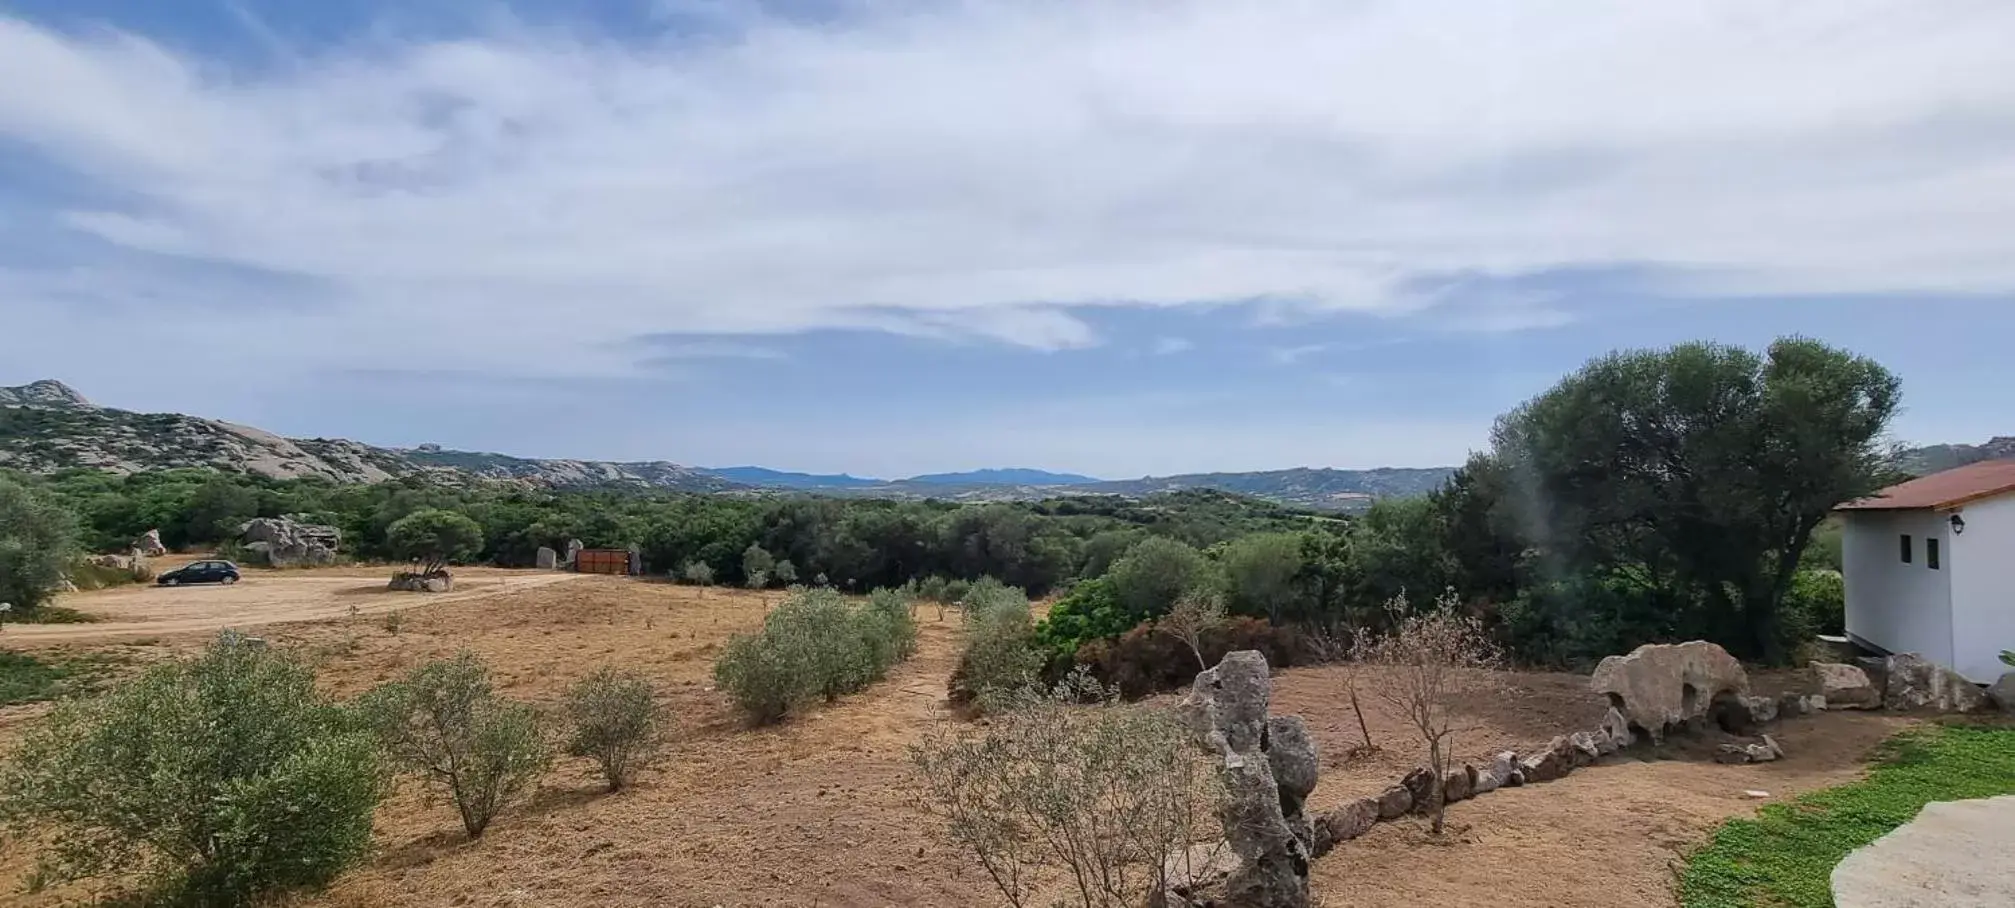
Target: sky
x=900 y=236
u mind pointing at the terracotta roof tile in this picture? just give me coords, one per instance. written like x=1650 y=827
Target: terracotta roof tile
x=1948 y=489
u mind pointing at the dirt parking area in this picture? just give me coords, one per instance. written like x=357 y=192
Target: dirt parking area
x=262 y=597
x=815 y=812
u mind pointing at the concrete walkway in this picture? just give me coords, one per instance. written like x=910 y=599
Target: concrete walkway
x=1955 y=854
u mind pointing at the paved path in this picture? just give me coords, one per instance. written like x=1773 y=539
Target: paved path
x=1955 y=854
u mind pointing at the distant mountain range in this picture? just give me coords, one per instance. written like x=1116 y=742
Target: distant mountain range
x=47 y=426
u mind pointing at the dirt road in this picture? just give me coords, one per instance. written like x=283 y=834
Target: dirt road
x=263 y=597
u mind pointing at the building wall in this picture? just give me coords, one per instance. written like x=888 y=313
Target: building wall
x=1902 y=608
x=1983 y=588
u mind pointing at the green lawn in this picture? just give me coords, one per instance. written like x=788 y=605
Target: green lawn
x=1785 y=857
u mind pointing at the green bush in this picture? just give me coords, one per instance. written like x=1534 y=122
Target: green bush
x=1817 y=601
x=222 y=780
x=1154 y=574
x=443 y=722
x=1091 y=611
x=815 y=645
x=1001 y=658
x=616 y=722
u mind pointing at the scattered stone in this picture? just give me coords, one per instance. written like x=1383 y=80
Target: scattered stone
x=149 y=544
x=436 y=582
x=1740 y=714
x=1549 y=764
x=286 y=542
x=1791 y=706
x=1345 y=823
x=1762 y=709
x=1504 y=766
x=1267 y=767
x=1419 y=785
x=2003 y=693
x=1777 y=750
x=1846 y=687
x=1616 y=729
x=1732 y=754
x=1487 y=781
x=1394 y=803
x=1754 y=793
x=1584 y=750
x=1658 y=686
x=1761 y=753
x=1915 y=682
x=116 y=562
x=546 y=559
x=1460 y=784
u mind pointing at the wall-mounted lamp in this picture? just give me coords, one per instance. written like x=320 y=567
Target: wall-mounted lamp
x=1958 y=524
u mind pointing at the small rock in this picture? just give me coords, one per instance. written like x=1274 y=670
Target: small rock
x=1460 y=784
x=1487 y=781
x=1394 y=803
x=1420 y=785
x=1584 y=749
x=1616 y=728
x=1344 y=823
x=2003 y=693
x=1549 y=764
x=1756 y=794
x=1731 y=753
x=1763 y=709
x=1760 y=753
x=1846 y=687
x=1776 y=750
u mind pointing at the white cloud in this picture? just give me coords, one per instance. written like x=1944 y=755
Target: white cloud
x=1169 y=346
x=977 y=169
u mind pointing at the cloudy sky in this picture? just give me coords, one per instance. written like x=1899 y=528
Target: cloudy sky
x=895 y=236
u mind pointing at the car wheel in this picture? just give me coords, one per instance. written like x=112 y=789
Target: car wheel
x=230 y=579
x=171 y=582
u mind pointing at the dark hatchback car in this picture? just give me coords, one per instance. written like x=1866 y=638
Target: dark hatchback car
x=200 y=572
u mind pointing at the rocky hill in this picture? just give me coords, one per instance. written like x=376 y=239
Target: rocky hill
x=47 y=426
x=1933 y=458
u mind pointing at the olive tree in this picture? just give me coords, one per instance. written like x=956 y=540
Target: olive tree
x=38 y=539
x=225 y=780
x=616 y=722
x=432 y=538
x=443 y=722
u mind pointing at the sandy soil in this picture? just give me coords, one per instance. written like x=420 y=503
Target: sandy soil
x=814 y=812
x=262 y=597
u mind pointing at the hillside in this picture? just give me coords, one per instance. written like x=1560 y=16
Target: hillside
x=1933 y=458
x=47 y=426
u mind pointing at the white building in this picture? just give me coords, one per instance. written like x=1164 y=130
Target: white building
x=1930 y=568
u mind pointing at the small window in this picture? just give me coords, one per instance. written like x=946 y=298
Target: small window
x=1931 y=553
x=1906 y=548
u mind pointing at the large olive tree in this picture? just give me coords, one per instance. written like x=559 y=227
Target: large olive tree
x=1703 y=467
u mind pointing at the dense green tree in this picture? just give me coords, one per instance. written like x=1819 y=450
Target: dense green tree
x=1154 y=574
x=1262 y=576
x=37 y=542
x=1704 y=466
x=434 y=538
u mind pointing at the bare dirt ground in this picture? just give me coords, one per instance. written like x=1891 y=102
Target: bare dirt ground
x=262 y=597
x=814 y=812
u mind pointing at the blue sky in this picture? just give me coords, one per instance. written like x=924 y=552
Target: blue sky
x=891 y=236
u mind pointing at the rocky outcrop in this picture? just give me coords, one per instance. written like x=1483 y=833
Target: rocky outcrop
x=288 y=542
x=44 y=393
x=436 y=582
x=1845 y=686
x=1914 y=682
x=1660 y=686
x=149 y=544
x=1268 y=766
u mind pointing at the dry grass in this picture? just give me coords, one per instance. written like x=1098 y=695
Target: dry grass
x=814 y=812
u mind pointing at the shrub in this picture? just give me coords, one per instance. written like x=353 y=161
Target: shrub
x=443 y=722
x=1147 y=659
x=1101 y=795
x=616 y=722
x=815 y=645
x=1816 y=602
x=1001 y=657
x=1154 y=574
x=224 y=780
x=1091 y=611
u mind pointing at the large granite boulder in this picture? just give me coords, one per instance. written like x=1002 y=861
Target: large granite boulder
x=1914 y=682
x=1662 y=685
x=288 y=542
x=1845 y=686
x=2002 y=692
x=149 y=544
x=1267 y=766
